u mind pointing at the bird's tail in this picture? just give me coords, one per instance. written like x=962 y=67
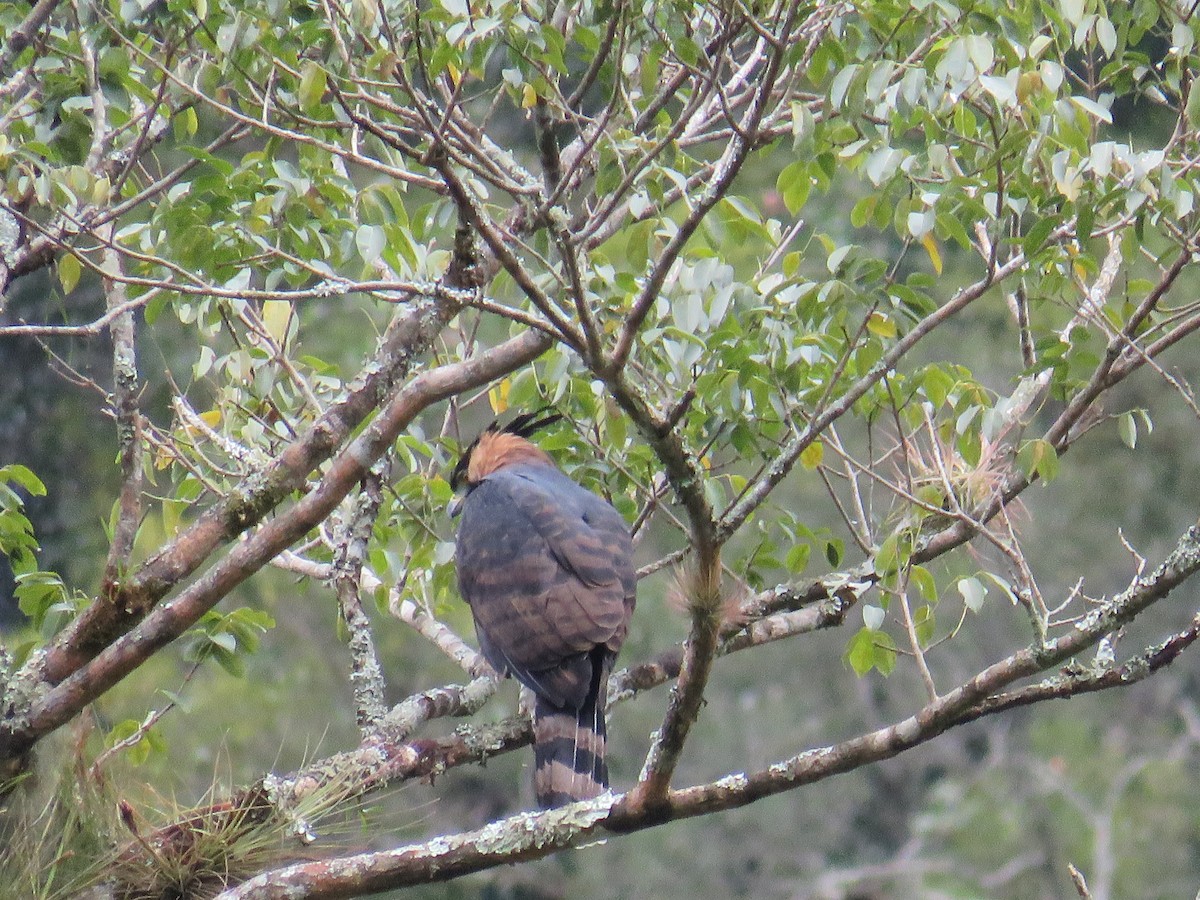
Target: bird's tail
x=568 y=747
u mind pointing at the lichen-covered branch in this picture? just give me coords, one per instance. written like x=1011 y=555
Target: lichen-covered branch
x=22 y=36
x=126 y=386
x=529 y=835
x=366 y=675
x=128 y=600
x=439 y=635
x=169 y=621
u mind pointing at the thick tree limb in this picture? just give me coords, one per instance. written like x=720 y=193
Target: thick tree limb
x=128 y=600
x=530 y=836
x=22 y=36
x=171 y=620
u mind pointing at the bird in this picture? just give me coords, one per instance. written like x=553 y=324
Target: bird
x=547 y=568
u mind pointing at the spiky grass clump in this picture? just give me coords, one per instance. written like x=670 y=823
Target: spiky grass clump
x=55 y=832
x=202 y=850
x=73 y=835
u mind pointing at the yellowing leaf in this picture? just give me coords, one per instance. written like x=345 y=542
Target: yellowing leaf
x=362 y=14
x=389 y=62
x=881 y=325
x=1028 y=84
x=929 y=242
x=69 y=271
x=498 y=396
x=211 y=417
x=529 y=97
x=455 y=73
x=100 y=190
x=811 y=456
x=163 y=457
x=276 y=316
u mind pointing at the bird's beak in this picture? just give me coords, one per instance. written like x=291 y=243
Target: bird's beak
x=455 y=505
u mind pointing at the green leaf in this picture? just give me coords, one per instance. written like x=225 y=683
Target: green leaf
x=1147 y=424
x=886 y=556
x=122 y=731
x=1003 y=584
x=1092 y=108
x=1038 y=458
x=883 y=652
x=23 y=477
x=1036 y=236
x=223 y=166
x=925 y=624
x=370 y=241
x=224 y=640
x=922 y=578
x=841 y=85
x=1193 y=105
x=230 y=662
x=1072 y=11
x=185 y=123
x=797 y=558
x=860 y=653
x=254 y=618
x=36 y=592
x=313 y=81
x=1127 y=425
x=861 y=214
x=794 y=184
x=937 y=384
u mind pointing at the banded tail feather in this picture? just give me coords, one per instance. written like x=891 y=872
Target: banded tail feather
x=569 y=747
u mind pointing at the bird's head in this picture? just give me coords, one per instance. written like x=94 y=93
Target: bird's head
x=497 y=446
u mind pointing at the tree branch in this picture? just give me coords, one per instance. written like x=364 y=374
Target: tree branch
x=89 y=681
x=533 y=835
x=366 y=675
x=128 y=601
x=22 y=36
x=129 y=430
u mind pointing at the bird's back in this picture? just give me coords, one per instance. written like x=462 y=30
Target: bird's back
x=547 y=568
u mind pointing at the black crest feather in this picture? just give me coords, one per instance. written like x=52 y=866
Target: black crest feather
x=522 y=426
